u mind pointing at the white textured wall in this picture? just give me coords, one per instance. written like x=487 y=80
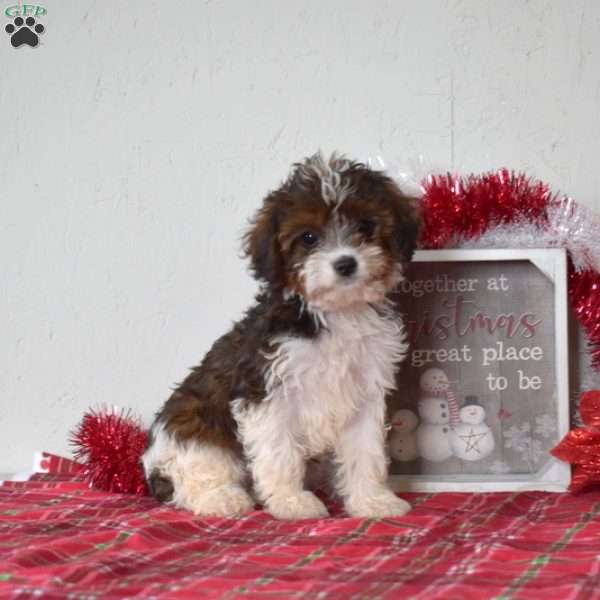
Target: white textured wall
x=138 y=137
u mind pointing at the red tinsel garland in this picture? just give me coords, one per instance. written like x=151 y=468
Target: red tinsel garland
x=581 y=447
x=584 y=294
x=455 y=206
x=110 y=444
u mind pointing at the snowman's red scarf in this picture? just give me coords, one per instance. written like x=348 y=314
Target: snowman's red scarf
x=452 y=408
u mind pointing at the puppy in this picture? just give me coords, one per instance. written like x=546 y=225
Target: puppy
x=307 y=370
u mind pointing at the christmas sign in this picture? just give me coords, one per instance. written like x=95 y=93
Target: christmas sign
x=483 y=394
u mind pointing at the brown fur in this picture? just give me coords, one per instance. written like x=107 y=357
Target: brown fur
x=199 y=407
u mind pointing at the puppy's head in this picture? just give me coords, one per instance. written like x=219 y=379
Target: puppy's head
x=336 y=233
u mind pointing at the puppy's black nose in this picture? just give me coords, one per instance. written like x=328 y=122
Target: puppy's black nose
x=345 y=265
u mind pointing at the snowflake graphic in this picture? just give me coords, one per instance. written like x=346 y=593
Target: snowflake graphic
x=535 y=450
x=545 y=426
x=499 y=467
x=518 y=437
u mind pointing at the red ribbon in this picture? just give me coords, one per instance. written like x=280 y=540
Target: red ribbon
x=581 y=446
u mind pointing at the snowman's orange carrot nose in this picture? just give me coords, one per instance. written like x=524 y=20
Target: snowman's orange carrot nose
x=397 y=423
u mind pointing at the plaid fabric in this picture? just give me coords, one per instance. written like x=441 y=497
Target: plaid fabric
x=60 y=539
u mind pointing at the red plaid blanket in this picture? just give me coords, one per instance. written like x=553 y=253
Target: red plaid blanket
x=60 y=539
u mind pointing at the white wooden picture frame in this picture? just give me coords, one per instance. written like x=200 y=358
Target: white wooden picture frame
x=504 y=409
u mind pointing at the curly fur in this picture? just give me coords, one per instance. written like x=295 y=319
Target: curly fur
x=307 y=371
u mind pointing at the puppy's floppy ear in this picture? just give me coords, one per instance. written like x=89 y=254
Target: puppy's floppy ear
x=407 y=227
x=261 y=245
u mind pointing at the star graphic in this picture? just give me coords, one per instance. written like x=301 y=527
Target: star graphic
x=472 y=440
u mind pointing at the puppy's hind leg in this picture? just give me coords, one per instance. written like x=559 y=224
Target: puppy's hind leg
x=209 y=481
x=201 y=477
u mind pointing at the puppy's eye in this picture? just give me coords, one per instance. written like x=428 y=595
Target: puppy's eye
x=366 y=227
x=309 y=238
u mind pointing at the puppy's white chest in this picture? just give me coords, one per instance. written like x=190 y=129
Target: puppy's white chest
x=317 y=386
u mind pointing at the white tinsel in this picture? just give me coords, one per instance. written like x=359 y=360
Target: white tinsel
x=570 y=226
x=407 y=174
x=577 y=229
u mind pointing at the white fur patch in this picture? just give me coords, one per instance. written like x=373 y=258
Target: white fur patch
x=326 y=394
x=330 y=172
x=207 y=480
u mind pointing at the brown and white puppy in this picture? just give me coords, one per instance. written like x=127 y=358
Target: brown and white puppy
x=306 y=372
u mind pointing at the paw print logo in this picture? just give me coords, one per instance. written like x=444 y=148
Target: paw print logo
x=24 y=32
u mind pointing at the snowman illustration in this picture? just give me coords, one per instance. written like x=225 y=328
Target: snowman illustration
x=403 y=441
x=433 y=434
x=472 y=439
x=434 y=382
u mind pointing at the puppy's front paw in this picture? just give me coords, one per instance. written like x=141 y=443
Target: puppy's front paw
x=303 y=505
x=383 y=503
